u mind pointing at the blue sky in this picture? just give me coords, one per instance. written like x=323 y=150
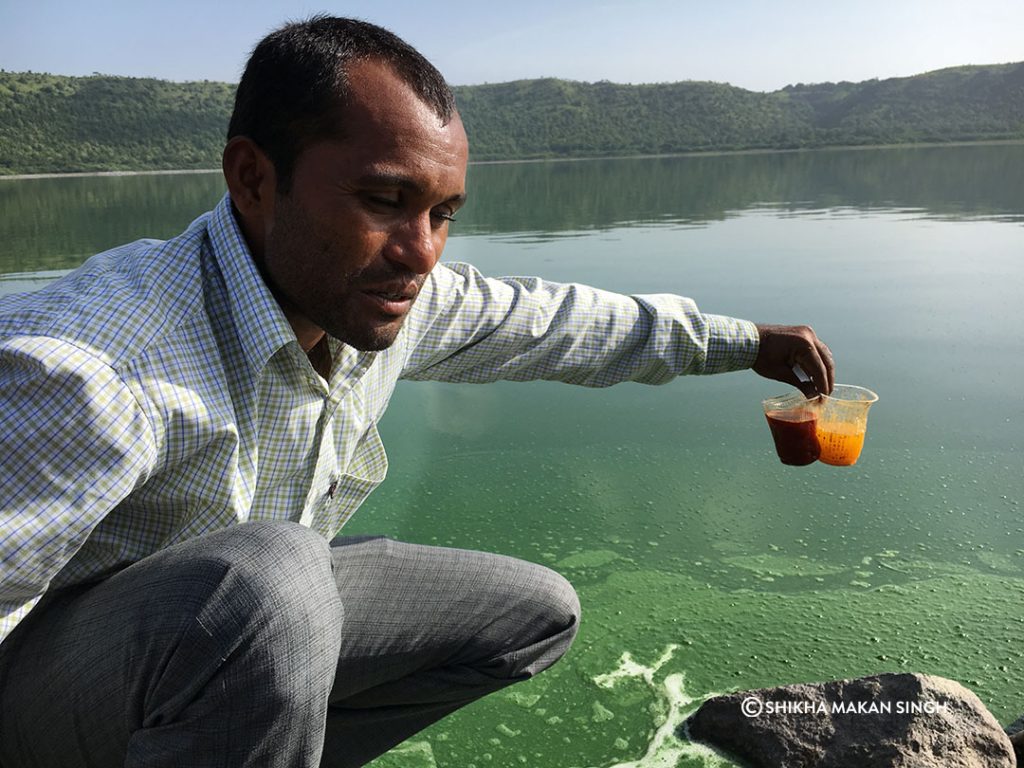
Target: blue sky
x=757 y=45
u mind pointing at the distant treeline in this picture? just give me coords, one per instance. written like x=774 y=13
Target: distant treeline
x=52 y=123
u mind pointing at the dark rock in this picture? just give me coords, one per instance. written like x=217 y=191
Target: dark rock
x=1015 y=731
x=1015 y=727
x=883 y=721
x=1017 y=742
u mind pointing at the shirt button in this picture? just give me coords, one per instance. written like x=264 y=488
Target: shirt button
x=332 y=488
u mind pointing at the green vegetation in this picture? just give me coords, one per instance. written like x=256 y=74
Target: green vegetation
x=557 y=118
x=51 y=123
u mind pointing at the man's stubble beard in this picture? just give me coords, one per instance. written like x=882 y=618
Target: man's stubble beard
x=292 y=237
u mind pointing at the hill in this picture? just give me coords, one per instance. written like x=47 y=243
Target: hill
x=53 y=123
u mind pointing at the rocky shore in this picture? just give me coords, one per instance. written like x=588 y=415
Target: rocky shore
x=891 y=720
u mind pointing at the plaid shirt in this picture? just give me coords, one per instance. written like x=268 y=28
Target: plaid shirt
x=158 y=392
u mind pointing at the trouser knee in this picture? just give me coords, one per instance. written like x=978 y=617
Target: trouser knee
x=268 y=608
x=546 y=609
x=563 y=609
x=278 y=576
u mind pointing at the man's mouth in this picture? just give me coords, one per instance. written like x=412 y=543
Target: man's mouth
x=393 y=295
x=393 y=299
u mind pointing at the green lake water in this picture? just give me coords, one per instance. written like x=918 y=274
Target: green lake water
x=702 y=563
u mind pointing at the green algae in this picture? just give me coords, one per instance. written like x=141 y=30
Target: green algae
x=1004 y=563
x=594 y=558
x=773 y=564
x=416 y=753
x=524 y=700
x=654 y=644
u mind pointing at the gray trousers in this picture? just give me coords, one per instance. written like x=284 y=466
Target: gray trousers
x=262 y=645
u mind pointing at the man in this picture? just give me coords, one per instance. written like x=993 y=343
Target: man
x=185 y=425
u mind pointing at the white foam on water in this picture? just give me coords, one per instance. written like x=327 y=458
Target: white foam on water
x=675 y=705
x=414 y=754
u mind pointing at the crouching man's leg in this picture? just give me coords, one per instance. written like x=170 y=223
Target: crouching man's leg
x=219 y=651
x=429 y=629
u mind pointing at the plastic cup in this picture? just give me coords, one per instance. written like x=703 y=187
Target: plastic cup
x=793 y=421
x=842 y=423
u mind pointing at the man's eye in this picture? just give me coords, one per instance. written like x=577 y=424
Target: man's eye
x=386 y=202
x=443 y=216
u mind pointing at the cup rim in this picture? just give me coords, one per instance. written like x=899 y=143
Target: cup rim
x=871 y=397
x=789 y=400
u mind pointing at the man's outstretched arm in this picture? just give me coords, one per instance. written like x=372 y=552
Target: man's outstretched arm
x=470 y=328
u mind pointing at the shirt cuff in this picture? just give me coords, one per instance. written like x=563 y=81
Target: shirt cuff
x=732 y=344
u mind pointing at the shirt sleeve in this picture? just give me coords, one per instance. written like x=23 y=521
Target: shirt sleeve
x=477 y=329
x=73 y=443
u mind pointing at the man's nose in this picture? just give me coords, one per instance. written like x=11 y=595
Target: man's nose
x=416 y=246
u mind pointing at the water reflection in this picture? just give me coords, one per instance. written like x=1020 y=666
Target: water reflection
x=55 y=223
x=559 y=199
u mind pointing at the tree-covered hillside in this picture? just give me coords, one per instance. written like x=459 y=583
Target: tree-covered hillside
x=558 y=118
x=51 y=123
x=957 y=104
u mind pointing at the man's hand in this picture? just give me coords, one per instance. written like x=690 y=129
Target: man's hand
x=784 y=346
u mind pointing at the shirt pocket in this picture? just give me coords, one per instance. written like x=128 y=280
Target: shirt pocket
x=346 y=491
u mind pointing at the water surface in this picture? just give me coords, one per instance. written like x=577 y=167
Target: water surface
x=702 y=563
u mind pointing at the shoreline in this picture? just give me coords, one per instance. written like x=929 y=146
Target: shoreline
x=778 y=151
x=512 y=161
x=92 y=174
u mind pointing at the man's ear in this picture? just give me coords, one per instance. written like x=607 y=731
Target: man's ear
x=251 y=180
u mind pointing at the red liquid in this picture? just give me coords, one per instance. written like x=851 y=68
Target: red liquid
x=795 y=434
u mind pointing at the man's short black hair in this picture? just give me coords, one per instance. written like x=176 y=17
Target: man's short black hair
x=295 y=85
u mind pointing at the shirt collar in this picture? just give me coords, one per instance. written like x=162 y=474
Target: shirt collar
x=262 y=327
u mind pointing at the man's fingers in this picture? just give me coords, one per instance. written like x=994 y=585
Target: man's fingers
x=824 y=367
x=804 y=382
x=786 y=352
x=830 y=365
x=817 y=362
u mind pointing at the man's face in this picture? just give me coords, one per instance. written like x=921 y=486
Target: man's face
x=347 y=249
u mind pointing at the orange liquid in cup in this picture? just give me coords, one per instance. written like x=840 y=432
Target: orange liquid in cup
x=840 y=443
